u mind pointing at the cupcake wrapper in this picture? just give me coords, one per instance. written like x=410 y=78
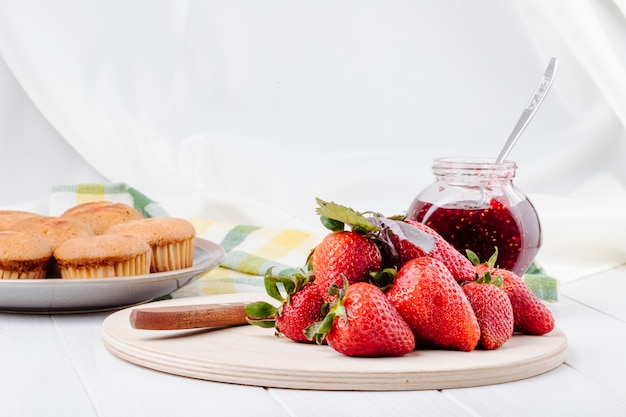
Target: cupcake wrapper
x=34 y=274
x=137 y=266
x=177 y=255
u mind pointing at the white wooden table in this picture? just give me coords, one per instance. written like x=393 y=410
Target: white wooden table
x=57 y=365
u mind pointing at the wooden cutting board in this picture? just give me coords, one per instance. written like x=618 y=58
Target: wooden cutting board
x=249 y=355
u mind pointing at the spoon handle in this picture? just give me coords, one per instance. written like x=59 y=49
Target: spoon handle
x=531 y=108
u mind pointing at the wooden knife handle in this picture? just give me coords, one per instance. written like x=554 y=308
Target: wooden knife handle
x=188 y=317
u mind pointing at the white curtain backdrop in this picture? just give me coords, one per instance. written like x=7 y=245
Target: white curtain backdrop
x=246 y=110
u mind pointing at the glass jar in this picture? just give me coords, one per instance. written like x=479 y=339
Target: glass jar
x=473 y=204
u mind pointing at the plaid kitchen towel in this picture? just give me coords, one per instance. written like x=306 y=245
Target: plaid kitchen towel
x=66 y=196
x=250 y=252
x=250 y=249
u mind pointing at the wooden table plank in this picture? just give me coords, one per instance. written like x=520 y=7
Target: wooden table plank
x=38 y=376
x=370 y=403
x=119 y=388
x=563 y=392
x=596 y=336
x=603 y=292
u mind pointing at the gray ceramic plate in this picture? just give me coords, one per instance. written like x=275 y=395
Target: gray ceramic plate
x=64 y=296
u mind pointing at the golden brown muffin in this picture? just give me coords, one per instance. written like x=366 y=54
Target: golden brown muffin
x=9 y=217
x=102 y=256
x=23 y=256
x=55 y=230
x=171 y=239
x=102 y=214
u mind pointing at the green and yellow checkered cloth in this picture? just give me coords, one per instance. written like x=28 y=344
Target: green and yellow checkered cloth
x=66 y=196
x=250 y=249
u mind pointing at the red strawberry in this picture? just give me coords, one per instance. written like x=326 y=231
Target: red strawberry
x=530 y=314
x=493 y=310
x=458 y=264
x=302 y=306
x=344 y=254
x=363 y=322
x=431 y=301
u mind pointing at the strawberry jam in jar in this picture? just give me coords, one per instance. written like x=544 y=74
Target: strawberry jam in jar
x=473 y=204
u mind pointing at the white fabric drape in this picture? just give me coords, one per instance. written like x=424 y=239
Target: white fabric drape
x=245 y=110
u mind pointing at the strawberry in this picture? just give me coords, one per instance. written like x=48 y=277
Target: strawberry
x=493 y=311
x=362 y=322
x=344 y=254
x=301 y=306
x=433 y=304
x=460 y=266
x=530 y=314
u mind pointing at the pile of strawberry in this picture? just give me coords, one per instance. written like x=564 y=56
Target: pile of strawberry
x=388 y=286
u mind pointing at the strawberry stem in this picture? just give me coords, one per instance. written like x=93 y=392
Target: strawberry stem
x=281 y=287
x=383 y=279
x=471 y=255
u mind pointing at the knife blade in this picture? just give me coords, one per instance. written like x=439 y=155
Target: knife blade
x=194 y=316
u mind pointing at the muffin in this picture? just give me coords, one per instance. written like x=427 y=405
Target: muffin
x=55 y=230
x=102 y=214
x=9 y=217
x=171 y=239
x=23 y=256
x=102 y=256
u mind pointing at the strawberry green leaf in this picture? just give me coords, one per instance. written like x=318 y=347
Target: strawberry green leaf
x=332 y=225
x=340 y=311
x=318 y=330
x=493 y=259
x=489 y=278
x=281 y=287
x=271 y=286
x=383 y=279
x=473 y=257
x=260 y=310
x=261 y=314
x=288 y=285
x=346 y=215
x=265 y=324
x=498 y=281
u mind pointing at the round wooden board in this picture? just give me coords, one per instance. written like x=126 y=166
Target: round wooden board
x=249 y=355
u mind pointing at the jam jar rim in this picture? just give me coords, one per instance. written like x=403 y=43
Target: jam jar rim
x=474 y=167
x=474 y=162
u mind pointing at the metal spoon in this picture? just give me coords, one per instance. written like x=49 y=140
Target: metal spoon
x=531 y=108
